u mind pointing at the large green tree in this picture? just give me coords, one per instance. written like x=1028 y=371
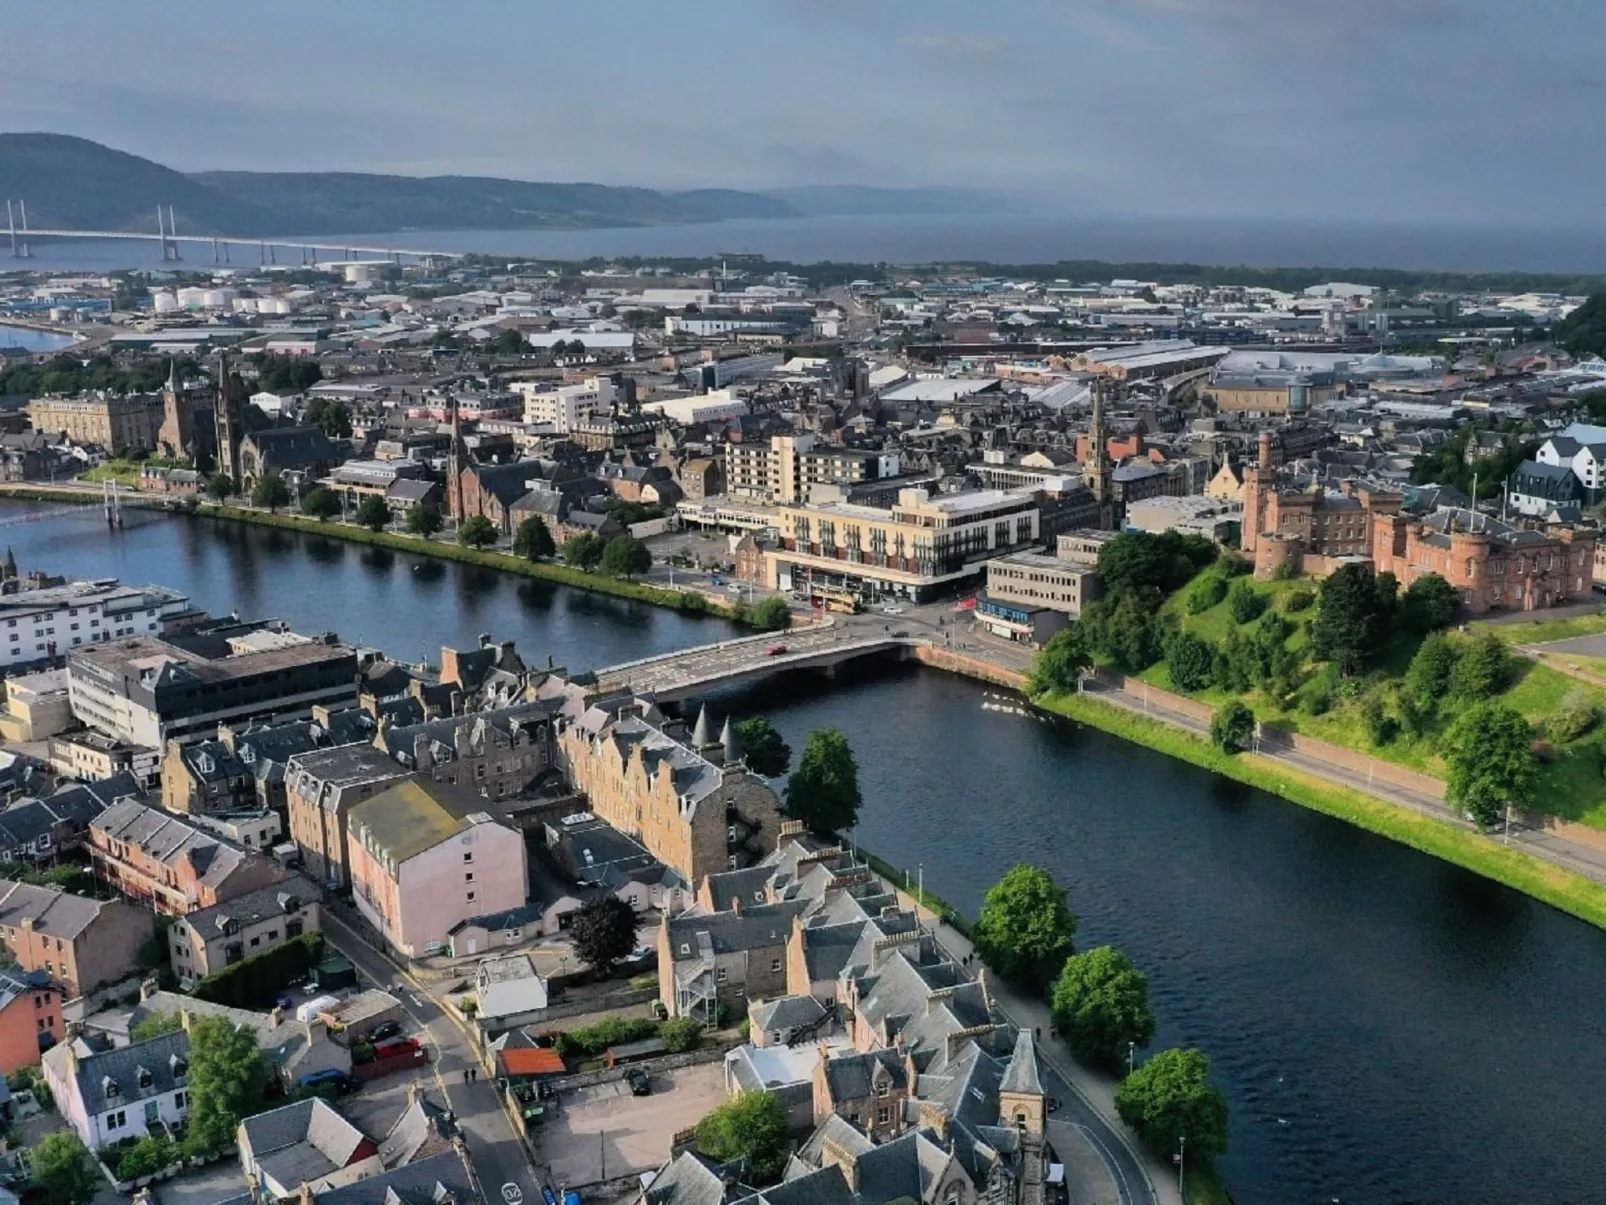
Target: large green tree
x=270 y=491
x=64 y=1169
x=1490 y=753
x=425 y=520
x=752 y=1126
x=625 y=556
x=1190 y=661
x=373 y=512
x=1170 y=1098
x=1026 y=930
x=1583 y=332
x=476 y=531
x=1232 y=728
x=1483 y=669
x=220 y=486
x=770 y=614
x=603 y=931
x=533 y=540
x=1347 y=627
x=226 y=1078
x=1057 y=667
x=1427 y=678
x=1101 y=1003
x=823 y=792
x=331 y=417
x=1430 y=604
x=1164 y=561
x=583 y=551
x=321 y=504
x=766 y=753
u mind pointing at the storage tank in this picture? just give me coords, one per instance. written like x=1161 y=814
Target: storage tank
x=191 y=298
x=217 y=299
x=164 y=302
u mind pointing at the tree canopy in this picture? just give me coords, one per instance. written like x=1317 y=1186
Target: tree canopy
x=532 y=540
x=220 y=486
x=1490 y=753
x=331 y=417
x=373 y=512
x=226 y=1079
x=288 y=374
x=425 y=520
x=1170 y=1098
x=752 y=1126
x=625 y=556
x=1430 y=604
x=1026 y=930
x=64 y=1169
x=823 y=792
x=1101 y=1003
x=271 y=492
x=1057 y=667
x=603 y=931
x=583 y=551
x=476 y=531
x=1583 y=332
x=770 y=614
x=766 y=753
x=1165 y=561
x=1348 y=619
x=321 y=504
x=1232 y=728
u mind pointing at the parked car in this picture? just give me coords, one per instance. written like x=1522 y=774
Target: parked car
x=331 y=1078
x=640 y=1083
x=385 y=1029
x=392 y=1047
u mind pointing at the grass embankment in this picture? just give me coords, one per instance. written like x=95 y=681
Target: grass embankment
x=1460 y=846
x=1542 y=631
x=127 y=472
x=1572 y=776
x=1204 y=1186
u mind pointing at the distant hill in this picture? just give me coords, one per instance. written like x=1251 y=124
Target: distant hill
x=828 y=199
x=76 y=183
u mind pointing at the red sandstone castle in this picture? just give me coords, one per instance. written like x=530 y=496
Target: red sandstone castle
x=1493 y=565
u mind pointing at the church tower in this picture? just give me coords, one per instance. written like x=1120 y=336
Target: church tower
x=176 y=439
x=456 y=462
x=1096 y=472
x=1023 y=1106
x=230 y=425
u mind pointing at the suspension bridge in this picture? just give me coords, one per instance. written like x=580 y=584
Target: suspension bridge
x=167 y=236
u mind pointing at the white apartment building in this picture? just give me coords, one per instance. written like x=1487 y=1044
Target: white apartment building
x=716 y=406
x=37 y=624
x=563 y=407
x=1581 y=448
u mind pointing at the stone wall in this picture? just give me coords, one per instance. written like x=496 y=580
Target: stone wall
x=970 y=667
x=1354 y=761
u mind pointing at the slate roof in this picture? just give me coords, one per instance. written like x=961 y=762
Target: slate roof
x=1021 y=1074
x=692 y=1178
x=422 y=1182
x=302 y=1142
x=139 y=1071
x=53 y=911
x=754 y=928
x=293 y=447
x=853 y=1076
x=169 y=840
x=276 y=899
x=786 y=1012
x=423 y=1131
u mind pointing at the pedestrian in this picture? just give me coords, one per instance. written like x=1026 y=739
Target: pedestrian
x=1039 y=1033
x=473 y=1075
x=465 y=1075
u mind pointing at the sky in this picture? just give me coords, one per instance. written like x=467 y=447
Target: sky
x=1432 y=111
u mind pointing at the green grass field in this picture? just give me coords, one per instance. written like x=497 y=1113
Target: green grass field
x=1539 y=632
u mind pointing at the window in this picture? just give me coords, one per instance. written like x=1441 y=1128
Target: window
x=721 y=974
x=883 y=1116
x=116 y=1121
x=883 y=1088
x=685 y=948
x=178 y=1100
x=468 y=857
x=470 y=896
x=775 y=965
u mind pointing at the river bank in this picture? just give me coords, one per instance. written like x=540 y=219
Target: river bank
x=1464 y=847
x=685 y=601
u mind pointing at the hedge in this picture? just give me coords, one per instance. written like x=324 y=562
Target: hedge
x=259 y=978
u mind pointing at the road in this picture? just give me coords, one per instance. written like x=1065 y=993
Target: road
x=499 y=1157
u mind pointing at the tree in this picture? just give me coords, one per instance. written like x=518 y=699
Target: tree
x=1483 y=668
x=1490 y=753
x=1101 y=1003
x=1026 y=930
x=271 y=492
x=1165 y=561
x=1245 y=602
x=603 y=931
x=1576 y=716
x=1583 y=332
x=583 y=551
x=1430 y=604
x=1170 y=1098
x=64 y=1169
x=1125 y=628
x=1232 y=728
x=373 y=512
x=509 y=343
x=1386 y=593
x=1058 y=666
x=286 y=374
x=154 y=1026
x=321 y=504
x=752 y=1126
x=331 y=417
x=766 y=753
x=533 y=540
x=681 y=1034
x=476 y=531
x=1190 y=660
x=1346 y=630
x=625 y=556
x=823 y=791
x=769 y=614
x=1427 y=678
x=425 y=520
x=220 y=486
x=226 y=1079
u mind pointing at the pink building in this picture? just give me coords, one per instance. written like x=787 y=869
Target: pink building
x=425 y=856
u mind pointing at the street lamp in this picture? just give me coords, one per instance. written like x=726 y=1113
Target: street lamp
x=1181 y=1155
x=1131 y=1056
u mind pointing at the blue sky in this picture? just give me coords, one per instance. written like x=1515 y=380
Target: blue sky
x=1482 y=111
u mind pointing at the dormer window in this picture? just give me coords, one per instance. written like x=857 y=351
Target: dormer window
x=179 y=1066
x=205 y=764
x=248 y=755
x=109 y=1087
x=144 y=1078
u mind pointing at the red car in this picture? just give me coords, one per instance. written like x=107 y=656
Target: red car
x=391 y=1047
x=777 y=650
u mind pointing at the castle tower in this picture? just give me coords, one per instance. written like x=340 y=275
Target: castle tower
x=230 y=425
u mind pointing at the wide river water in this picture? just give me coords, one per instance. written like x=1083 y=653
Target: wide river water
x=1388 y=1028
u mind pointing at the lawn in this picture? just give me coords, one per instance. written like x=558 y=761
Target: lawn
x=126 y=472
x=1541 y=631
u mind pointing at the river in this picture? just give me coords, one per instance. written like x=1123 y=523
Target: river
x=26 y=339
x=1388 y=1028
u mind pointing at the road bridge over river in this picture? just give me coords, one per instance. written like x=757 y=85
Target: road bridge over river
x=674 y=676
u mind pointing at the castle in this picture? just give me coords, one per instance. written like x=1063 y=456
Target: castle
x=1492 y=565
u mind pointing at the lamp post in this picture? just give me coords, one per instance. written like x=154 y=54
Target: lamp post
x=1131 y=1056
x=1182 y=1153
